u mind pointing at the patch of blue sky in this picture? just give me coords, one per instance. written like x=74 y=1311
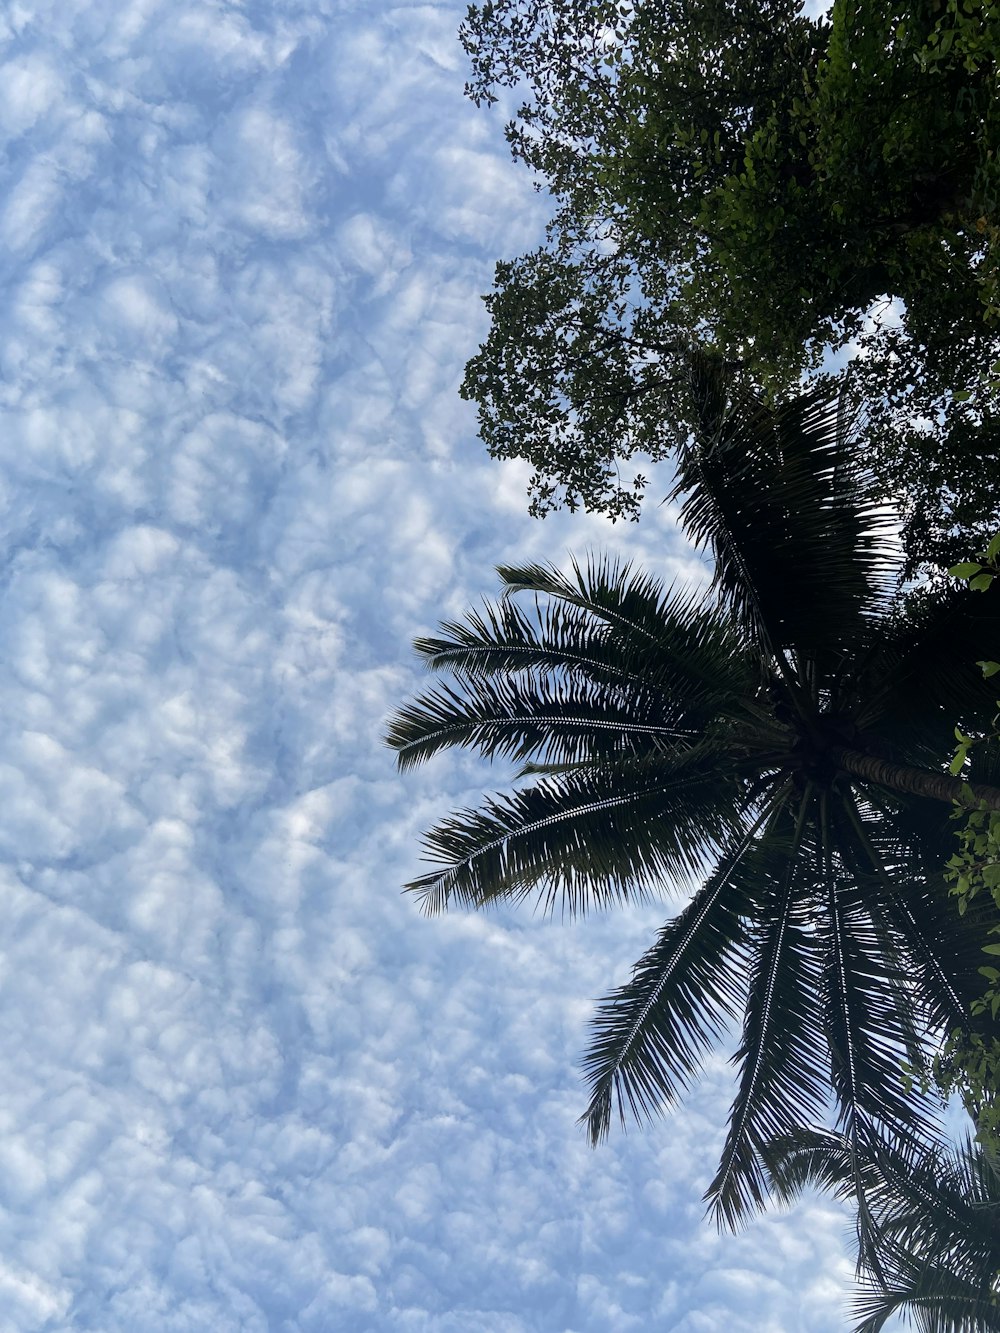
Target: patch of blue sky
x=246 y=1087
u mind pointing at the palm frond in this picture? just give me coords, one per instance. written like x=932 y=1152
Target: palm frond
x=919 y=676
x=802 y=553
x=607 y=589
x=936 y=1298
x=502 y=639
x=868 y=1014
x=649 y=1037
x=937 y=949
x=563 y=721
x=587 y=837
x=807 y=1157
x=674 y=637
x=783 y=1080
x=933 y=1250
x=567 y=684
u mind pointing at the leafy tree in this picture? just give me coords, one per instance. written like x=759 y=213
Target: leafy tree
x=929 y=1228
x=970 y=1062
x=740 y=174
x=781 y=736
x=933 y=426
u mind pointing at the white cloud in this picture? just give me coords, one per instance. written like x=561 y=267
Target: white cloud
x=263 y=185
x=246 y=1086
x=367 y=244
x=29 y=88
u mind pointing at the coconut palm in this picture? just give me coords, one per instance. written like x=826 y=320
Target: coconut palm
x=931 y=1244
x=776 y=740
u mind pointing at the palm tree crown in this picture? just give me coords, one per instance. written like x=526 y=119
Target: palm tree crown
x=777 y=741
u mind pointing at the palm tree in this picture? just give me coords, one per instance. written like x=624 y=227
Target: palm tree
x=930 y=1242
x=778 y=740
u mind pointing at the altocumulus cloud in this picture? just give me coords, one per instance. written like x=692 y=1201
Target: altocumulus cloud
x=245 y=1086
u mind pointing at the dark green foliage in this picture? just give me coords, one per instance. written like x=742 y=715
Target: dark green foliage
x=574 y=378
x=929 y=1228
x=970 y=1062
x=750 y=179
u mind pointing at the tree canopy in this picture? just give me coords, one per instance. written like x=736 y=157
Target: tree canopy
x=752 y=179
x=970 y=1062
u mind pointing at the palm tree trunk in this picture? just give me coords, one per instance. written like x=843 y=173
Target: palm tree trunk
x=916 y=781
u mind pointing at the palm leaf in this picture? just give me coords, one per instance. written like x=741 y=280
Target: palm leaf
x=937 y=1299
x=587 y=837
x=564 y=721
x=919 y=675
x=503 y=639
x=649 y=1036
x=820 y=1158
x=868 y=1011
x=782 y=1082
x=631 y=667
x=936 y=947
x=609 y=590
x=677 y=639
x=933 y=1249
x=801 y=552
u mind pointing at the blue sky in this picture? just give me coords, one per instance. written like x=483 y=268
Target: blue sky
x=246 y=1086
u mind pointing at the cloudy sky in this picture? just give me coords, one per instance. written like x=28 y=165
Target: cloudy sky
x=245 y=1085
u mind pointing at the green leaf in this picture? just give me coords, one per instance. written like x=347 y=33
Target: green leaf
x=965 y=570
